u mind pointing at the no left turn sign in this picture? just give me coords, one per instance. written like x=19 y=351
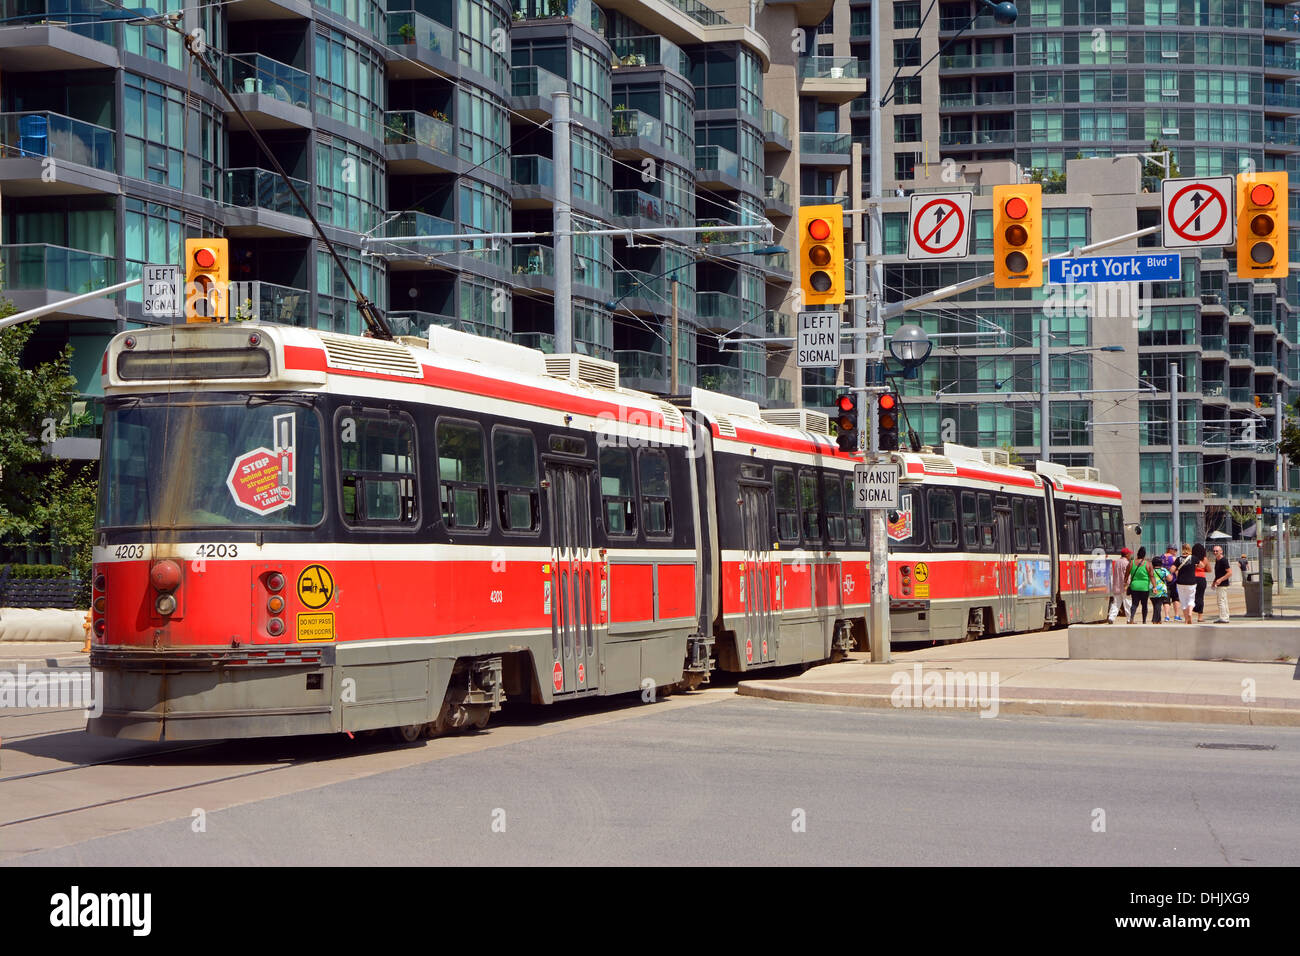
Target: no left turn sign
x=1198 y=212
x=939 y=226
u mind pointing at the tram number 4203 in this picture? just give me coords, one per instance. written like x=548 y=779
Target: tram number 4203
x=218 y=551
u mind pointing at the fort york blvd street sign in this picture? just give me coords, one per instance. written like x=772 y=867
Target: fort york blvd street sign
x=1198 y=212
x=939 y=226
x=1150 y=268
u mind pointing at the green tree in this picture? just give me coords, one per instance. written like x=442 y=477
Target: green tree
x=1152 y=168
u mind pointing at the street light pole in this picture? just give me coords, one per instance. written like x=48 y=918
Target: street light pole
x=1044 y=382
x=1173 y=452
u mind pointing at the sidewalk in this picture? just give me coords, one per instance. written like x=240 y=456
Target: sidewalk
x=1032 y=674
x=42 y=654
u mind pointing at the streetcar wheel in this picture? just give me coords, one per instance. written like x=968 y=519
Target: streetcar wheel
x=482 y=717
x=409 y=733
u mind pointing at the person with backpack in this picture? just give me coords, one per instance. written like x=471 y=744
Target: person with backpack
x=1202 y=561
x=1139 y=584
x=1160 y=578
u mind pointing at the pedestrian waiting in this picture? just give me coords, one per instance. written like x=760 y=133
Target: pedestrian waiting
x=1139 y=584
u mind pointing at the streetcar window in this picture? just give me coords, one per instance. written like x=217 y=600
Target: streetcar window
x=514 y=456
x=656 y=493
x=969 y=521
x=616 y=491
x=754 y=472
x=1018 y=519
x=787 y=504
x=812 y=508
x=986 y=522
x=569 y=445
x=1034 y=517
x=835 y=509
x=462 y=475
x=943 y=518
x=377 y=469
x=856 y=519
x=1088 y=516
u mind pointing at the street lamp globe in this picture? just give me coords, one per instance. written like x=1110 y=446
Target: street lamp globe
x=910 y=346
x=1004 y=13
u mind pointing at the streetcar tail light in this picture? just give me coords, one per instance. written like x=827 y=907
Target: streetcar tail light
x=165 y=575
x=274 y=581
x=275 y=627
x=276 y=604
x=100 y=582
x=99 y=604
x=99 y=627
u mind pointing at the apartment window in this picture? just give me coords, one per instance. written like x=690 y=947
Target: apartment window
x=907 y=15
x=349 y=81
x=907 y=52
x=905 y=165
x=479 y=23
x=907 y=91
x=907 y=129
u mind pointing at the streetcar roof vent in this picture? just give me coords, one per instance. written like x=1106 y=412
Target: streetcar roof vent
x=672 y=415
x=1052 y=470
x=936 y=464
x=962 y=453
x=1085 y=473
x=369 y=355
x=997 y=456
x=803 y=419
x=715 y=403
x=725 y=427
x=583 y=368
x=480 y=348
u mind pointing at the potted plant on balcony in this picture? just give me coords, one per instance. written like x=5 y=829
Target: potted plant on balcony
x=407 y=32
x=558 y=8
x=439 y=115
x=397 y=130
x=517 y=16
x=244 y=312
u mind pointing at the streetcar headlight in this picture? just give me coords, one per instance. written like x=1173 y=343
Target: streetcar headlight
x=165 y=604
x=165 y=575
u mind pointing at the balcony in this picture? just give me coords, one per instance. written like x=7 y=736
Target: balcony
x=1275 y=137
x=730 y=380
x=1216 y=489
x=535 y=81
x=780 y=393
x=254 y=188
x=408 y=224
x=831 y=78
x=533 y=170
x=1287 y=101
x=776 y=130
x=778 y=325
x=1240 y=394
x=994 y=137
x=1265 y=360
x=820 y=396
x=417 y=143
x=827 y=200
x=957 y=137
x=1242 y=490
x=977 y=61
x=714 y=162
x=1213 y=343
x=541 y=341
x=28 y=138
x=533 y=259
x=279 y=94
x=816 y=147
x=649 y=51
x=406 y=29
x=722 y=310
x=627 y=123
x=43 y=38
x=38 y=265
x=635 y=204
x=415 y=322
x=645 y=371
x=1240 y=351
x=580 y=11
x=280 y=304
x=776 y=189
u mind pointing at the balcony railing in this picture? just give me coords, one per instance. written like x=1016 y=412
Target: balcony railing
x=779 y=325
x=1283 y=61
x=57 y=136
x=635 y=363
x=1275 y=137
x=274 y=303
x=650 y=51
x=717 y=158
x=1211 y=389
x=257 y=188
x=995 y=98
x=580 y=11
x=1265 y=359
x=533 y=170
x=956 y=99
x=820 y=396
x=1213 y=343
x=533 y=259
x=409 y=27
x=634 y=202
x=39 y=265
x=967 y=61
x=542 y=341
x=1238 y=393
x=637 y=123
x=777 y=189
x=1285 y=100
x=1216 y=489
x=255 y=73
x=828 y=67
x=402 y=127
x=780 y=393
x=731 y=380
x=535 y=81
x=75 y=19
x=956 y=137
x=986 y=137
x=824 y=200
x=416 y=322
x=1243 y=489
x=422 y=224
x=825 y=142
x=700 y=13
x=1239 y=350
x=776 y=123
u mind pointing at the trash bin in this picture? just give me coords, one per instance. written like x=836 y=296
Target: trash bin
x=1252 y=597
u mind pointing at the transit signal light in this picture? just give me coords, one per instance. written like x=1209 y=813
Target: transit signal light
x=887 y=422
x=821 y=254
x=1018 y=236
x=207 y=280
x=846 y=422
x=1262 y=225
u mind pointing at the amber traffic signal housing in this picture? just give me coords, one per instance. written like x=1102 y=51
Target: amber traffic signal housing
x=207 y=280
x=821 y=254
x=1262 y=240
x=1018 y=236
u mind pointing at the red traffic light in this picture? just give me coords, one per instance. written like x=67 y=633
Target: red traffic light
x=819 y=229
x=205 y=258
x=887 y=402
x=1261 y=194
x=1017 y=208
x=846 y=403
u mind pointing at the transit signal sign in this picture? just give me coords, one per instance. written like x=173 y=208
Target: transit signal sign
x=875 y=486
x=1198 y=212
x=939 y=226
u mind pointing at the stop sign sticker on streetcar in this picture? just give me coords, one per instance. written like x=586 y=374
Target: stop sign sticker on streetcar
x=557 y=677
x=255 y=481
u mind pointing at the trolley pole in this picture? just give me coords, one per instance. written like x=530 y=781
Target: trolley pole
x=1280 y=519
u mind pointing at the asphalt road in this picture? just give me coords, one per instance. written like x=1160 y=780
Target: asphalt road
x=730 y=781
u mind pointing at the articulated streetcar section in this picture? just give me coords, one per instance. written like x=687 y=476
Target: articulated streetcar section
x=306 y=533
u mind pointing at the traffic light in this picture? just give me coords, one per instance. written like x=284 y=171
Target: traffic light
x=1018 y=236
x=821 y=254
x=1262 y=226
x=887 y=422
x=207 y=280
x=846 y=422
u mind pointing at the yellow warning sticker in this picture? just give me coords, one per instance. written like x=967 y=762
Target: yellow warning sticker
x=316 y=627
x=922 y=591
x=315 y=586
x=922 y=572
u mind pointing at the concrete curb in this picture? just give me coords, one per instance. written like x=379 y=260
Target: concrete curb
x=1103 y=710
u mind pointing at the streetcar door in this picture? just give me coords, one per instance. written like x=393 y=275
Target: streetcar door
x=758 y=642
x=574 y=665
x=1006 y=568
x=1072 y=581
